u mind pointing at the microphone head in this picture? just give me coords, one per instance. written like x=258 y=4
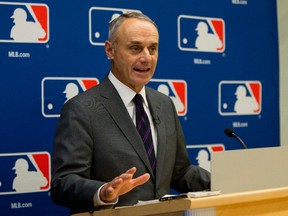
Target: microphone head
x=229 y=132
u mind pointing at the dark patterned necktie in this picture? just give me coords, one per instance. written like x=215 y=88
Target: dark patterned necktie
x=144 y=129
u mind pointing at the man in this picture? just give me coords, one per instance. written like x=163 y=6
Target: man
x=99 y=160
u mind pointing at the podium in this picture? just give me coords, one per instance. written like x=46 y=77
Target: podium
x=249 y=169
x=252 y=181
x=268 y=202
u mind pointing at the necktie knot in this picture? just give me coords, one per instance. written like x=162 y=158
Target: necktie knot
x=138 y=100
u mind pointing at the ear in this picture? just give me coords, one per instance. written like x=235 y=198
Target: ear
x=109 y=49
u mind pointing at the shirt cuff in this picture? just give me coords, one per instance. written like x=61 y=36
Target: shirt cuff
x=99 y=202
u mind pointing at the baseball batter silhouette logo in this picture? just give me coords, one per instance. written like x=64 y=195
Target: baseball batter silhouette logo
x=201 y=34
x=240 y=97
x=201 y=154
x=58 y=90
x=24 y=22
x=175 y=89
x=25 y=172
x=25 y=180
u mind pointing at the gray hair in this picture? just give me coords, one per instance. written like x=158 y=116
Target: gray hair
x=116 y=23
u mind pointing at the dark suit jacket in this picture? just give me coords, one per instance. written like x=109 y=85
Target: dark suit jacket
x=96 y=141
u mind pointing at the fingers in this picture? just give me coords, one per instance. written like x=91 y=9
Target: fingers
x=122 y=184
x=137 y=181
x=131 y=171
x=111 y=190
x=140 y=180
x=108 y=192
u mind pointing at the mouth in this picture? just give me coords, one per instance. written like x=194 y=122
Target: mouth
x=142 y=70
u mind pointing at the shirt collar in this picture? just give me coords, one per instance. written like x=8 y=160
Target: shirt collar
x=126 y=93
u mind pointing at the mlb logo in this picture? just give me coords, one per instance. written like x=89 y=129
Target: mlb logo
x=24 y=22
x=57 y=90
x=201 y=154
x=25 y=172
x=99 y=18
x=201 y=34
x=175 y=89
x=240 y=98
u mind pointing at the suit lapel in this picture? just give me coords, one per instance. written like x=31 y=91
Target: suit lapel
x=118 y=112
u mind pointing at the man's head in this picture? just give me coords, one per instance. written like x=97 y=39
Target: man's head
x=132 y=47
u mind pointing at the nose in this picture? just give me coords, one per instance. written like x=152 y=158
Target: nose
x=145 y=55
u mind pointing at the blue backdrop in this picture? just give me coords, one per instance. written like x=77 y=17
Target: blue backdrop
x=218 y=60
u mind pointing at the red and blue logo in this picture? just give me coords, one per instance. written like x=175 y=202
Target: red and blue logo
x=240 y=98
x=201 y=34
x=99 y=18
x=175 y=89
x=57 y=90
x=201 y=154
x=25 y=172
x=24 y=22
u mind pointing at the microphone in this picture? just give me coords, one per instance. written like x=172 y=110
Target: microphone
x=230 y=133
